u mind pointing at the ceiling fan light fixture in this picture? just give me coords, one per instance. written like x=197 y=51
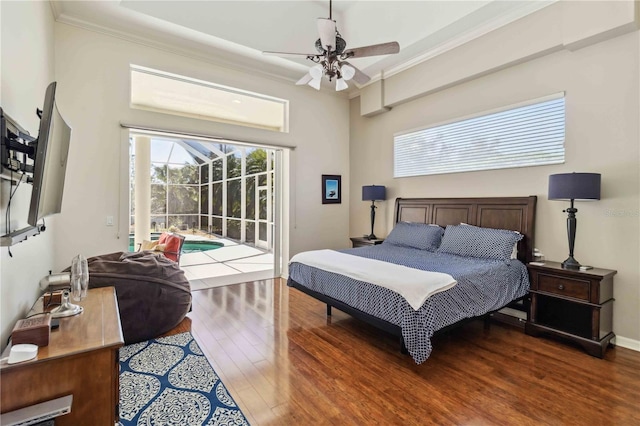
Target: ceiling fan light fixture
x=316 y=71
x=332 y=54
x=347 y=72
x=315 y=83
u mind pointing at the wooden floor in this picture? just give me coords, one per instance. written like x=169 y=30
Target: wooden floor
x=285 y=363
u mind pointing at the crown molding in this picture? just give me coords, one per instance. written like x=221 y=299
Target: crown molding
x=55 y=9
x=227 y=64
x=458 y=41
x=494 y=24
x=232 y=65
x=272 y=67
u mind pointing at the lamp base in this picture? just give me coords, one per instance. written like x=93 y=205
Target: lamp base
x=371 y=237
x=571 y=263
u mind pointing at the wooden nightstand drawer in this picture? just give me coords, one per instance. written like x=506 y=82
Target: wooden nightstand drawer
x=562 y=286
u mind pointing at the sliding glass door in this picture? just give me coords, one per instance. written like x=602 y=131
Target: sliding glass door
x=204 y=188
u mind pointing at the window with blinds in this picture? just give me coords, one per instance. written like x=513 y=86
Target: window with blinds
x=517 y=136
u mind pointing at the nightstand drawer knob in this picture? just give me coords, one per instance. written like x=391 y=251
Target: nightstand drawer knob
x=560 y=287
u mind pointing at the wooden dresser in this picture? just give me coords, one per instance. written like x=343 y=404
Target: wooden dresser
x=81 y=360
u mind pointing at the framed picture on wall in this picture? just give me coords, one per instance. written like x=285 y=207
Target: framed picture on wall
x=331 y=189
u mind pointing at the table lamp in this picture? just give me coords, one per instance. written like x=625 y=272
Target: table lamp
x=573 y=186
x=373 y=193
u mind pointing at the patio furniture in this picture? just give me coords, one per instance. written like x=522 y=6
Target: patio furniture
x=169 y=244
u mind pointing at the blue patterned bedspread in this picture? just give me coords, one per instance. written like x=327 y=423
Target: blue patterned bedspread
x=484 y=285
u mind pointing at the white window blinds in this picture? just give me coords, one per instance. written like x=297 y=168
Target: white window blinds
x=521 y=136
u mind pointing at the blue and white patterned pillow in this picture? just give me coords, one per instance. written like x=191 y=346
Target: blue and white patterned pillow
x=417 y=235
x=473 y=241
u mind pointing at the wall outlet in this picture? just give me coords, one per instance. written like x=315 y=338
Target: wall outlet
x=109 y=220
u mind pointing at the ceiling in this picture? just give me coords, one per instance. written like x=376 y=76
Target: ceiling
x=234 y=33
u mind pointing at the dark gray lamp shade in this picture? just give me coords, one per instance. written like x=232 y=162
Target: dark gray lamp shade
x=574 y=186
x=374 y=193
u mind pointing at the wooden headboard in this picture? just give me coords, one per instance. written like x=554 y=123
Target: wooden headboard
x=513 y=213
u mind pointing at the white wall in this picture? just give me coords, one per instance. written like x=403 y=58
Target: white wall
x=27 y=68
x=602 y=135
x=93 y=76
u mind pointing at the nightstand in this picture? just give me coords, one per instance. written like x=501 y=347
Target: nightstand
x=576 y=305
x=365 y=242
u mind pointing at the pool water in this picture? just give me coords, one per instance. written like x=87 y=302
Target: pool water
x=192 y=246
x=189 y=246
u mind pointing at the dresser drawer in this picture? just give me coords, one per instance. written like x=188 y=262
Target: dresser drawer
x=563 y=286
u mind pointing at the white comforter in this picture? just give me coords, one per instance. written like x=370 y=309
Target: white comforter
x=413 y=284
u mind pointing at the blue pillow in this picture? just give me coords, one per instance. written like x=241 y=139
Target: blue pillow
x=417 y=235
x=473 y=241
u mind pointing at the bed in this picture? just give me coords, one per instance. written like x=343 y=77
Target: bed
x=483 y=285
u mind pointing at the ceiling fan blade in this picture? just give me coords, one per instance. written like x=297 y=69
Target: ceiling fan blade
x=359 y=77
x=288 y=54
x=327 y=30
x=304 y=80
x=373 y=50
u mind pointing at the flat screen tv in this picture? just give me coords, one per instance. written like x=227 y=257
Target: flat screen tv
x=50 y=161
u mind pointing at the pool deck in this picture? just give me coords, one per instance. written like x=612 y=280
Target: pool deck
x=232 y=264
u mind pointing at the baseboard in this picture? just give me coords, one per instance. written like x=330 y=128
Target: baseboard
x=625 y=342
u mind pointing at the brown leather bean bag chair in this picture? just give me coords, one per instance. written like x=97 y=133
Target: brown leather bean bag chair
x=152 y=291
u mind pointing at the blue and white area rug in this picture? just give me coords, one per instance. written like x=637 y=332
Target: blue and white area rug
x=169 y=381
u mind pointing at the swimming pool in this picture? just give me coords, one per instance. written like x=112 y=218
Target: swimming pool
x=189 y=246
x=192 y=246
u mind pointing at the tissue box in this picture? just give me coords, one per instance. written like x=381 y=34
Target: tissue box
x=35 y=330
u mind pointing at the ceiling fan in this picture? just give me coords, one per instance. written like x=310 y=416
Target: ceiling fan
x=332 y=56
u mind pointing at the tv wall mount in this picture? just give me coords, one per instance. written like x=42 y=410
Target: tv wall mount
x=16 y=141
x=17 y=152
